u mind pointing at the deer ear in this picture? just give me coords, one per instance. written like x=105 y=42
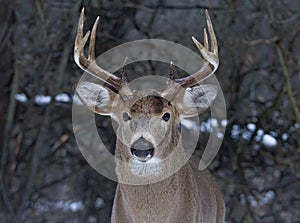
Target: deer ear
x=96 y=97
x=196 y=100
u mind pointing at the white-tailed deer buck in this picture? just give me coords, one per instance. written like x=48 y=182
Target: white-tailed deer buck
x=148 y=134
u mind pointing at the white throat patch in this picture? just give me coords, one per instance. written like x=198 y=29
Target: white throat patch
x=151 y=167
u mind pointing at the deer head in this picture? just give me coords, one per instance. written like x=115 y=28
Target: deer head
x=148 y=121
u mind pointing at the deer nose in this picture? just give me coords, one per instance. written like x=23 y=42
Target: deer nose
x=142 y=150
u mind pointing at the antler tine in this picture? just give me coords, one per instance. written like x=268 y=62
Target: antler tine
x=91 y=55
x=205 y=39
x=79 y=28
x=89 y=64
x=214 y=44
x=171 y=75
x=211 y=57
x=79 y=41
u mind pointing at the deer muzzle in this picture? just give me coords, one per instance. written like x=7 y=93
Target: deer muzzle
x=142 y=150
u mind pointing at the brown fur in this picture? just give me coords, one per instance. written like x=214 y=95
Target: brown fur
x=189 y=195
x=171 y=196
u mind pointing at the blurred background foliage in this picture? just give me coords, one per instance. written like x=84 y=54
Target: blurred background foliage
x=44 y=177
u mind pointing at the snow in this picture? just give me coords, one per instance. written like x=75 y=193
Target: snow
x=273 y=133
x=46 y=99
x=63 y=97
x=188 y=124
x=21 y=97
x=76 y=100
x=270 y=195
x=284 y=136
x=66 y=205
x=251 y=127
x=247 y=134
x=224 y=122
x=205 y=126
x=235 y=131
x=260 y=132
x=42 y=99
x=268 y=140
x=75 y=206
x=220 y=135
x=99 y=203
x=262 y=200
x=252 y=201
x=214 y=123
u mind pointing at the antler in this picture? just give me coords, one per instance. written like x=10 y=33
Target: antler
x=211 y=58
x=89 y=64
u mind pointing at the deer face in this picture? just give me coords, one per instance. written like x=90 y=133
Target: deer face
x=147 y=122
x=147 y=127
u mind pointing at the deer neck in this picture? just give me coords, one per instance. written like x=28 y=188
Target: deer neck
x=157 y=201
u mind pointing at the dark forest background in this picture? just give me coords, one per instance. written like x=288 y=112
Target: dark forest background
x=44 y=177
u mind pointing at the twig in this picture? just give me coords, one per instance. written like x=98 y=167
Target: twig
x=184 y=7
x=261 y=41
x=6 y=39
x=68 y=49
x=243 y=180
x=8 y=125
x=5 y=25
x=286 y=74
x=274 y=105
x=61 y=179
x=38 y=148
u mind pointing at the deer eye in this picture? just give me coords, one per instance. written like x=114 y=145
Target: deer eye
x=166 y=116
x=126 y=117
